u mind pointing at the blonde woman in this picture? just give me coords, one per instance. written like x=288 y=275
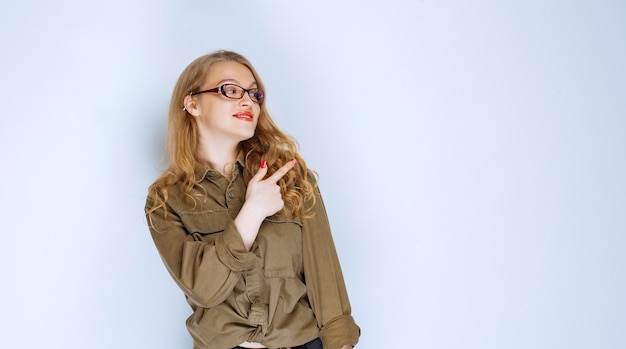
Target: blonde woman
x=239 y=222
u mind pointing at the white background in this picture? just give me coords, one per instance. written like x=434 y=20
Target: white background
x=472 y=156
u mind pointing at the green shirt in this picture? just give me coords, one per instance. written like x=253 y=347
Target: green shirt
x=287 y=290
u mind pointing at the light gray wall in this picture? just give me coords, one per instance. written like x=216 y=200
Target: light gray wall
x=472 y=157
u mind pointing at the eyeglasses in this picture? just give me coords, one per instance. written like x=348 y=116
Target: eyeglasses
x=233 y=91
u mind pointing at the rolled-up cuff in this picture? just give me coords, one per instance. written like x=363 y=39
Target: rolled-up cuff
x=340 y=331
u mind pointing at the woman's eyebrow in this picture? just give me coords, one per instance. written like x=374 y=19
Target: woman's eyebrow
x=226 y=81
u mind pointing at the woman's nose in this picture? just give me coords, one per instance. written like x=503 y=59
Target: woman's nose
x=245 y=99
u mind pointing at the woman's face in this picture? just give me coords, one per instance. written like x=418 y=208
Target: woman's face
x=221 y=118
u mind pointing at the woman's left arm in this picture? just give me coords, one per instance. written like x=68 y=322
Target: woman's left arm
x=325 y=283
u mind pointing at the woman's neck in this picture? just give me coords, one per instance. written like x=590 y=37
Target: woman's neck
x=220 y=159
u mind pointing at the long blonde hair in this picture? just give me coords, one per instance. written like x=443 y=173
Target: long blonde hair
x=268 y=143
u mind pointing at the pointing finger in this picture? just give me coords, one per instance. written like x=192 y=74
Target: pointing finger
x=282 y=171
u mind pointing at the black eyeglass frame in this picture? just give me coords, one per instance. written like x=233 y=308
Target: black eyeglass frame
x=260 y=97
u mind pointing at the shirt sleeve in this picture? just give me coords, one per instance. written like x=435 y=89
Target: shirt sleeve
x=206 y=272
x=324 y=280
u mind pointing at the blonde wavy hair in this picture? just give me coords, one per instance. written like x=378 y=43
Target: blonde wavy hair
x=268 y=143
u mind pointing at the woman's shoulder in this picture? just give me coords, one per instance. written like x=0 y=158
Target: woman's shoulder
x=312 y=176
x=175 y=188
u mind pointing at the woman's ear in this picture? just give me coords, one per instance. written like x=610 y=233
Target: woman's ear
x=190 y=106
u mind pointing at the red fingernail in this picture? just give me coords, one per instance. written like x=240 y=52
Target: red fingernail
x=293 y=162
x=263 y=164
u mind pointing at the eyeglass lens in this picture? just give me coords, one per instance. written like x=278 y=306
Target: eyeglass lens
x=237 y=92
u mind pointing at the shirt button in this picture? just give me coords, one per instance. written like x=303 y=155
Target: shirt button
x=231 y=195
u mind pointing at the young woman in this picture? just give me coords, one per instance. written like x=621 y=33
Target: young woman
x=239 y=221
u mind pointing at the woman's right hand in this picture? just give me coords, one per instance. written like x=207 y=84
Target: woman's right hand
x=263 y=199
x=264 y=194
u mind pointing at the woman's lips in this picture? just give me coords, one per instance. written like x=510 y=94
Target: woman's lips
x=244 y=115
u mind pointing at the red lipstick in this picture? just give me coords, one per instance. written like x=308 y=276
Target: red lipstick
x=243 y=115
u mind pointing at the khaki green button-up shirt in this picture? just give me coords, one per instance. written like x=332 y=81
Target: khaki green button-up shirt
x=287 y=290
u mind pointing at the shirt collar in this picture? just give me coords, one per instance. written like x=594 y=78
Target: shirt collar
x=202 y=171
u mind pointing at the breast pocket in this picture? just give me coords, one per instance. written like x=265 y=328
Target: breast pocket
x=280 y=242
x=204 y=225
